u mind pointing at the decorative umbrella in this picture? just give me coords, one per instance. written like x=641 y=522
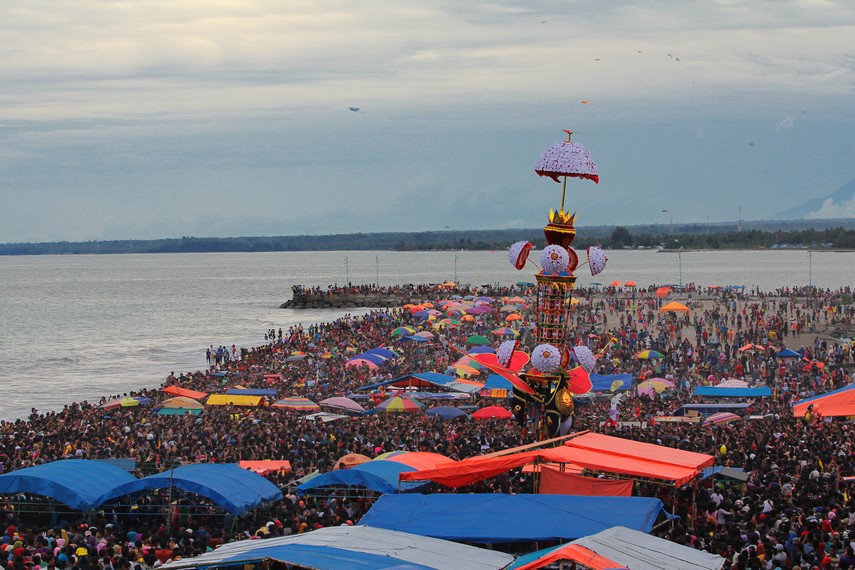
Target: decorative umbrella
x=351 y=460
x=343 y=404
x=596 y=260
x=720 y=418
x=649 y=355
x=446 y=412
x=518 y=253
x=554 y=259
x=567 y=159
x=478 y=339
x=492 y=412
x=400 y=405
x=297 y=404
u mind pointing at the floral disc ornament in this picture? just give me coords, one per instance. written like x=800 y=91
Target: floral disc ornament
x=585 y=357
x=546 y=358
x=518 y=253
x=506 y=351
x=554 y=259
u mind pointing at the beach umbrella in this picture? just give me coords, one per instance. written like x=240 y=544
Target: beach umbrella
x=492 y=412
x=630 y=284
x=477 y=339
x=375 y=358
x=488 y=300
x=787 y=353
x=446 y=412
x=505 y=331
x=295 y=358
x=400 y=405
x=720 y=418
x=649 y=355
x=615 y=284
x=481 y=350
x=343 y=404
x=657 y=384
x=360 y=362
x=351 y=460
x=425 y=334
x=327 y=355
x=414 y=338
x=509 y=308
x=403 y=331
x=386 y=353
x=297 y=404
x=513 y=317
x=450 y=322
x=182 y=402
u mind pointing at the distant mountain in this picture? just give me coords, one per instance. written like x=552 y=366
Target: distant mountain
x=839 y=204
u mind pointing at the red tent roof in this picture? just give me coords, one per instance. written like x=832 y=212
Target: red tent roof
x=176 y=391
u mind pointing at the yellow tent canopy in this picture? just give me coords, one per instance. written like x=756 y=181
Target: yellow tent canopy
x=233 y=400
x=674 y=306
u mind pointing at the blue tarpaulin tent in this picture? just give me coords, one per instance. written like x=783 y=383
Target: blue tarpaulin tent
x=716 y=392
x=380 y=476
x=227 y=485
x=493 y=518
x=77 y=483
x=603 y=383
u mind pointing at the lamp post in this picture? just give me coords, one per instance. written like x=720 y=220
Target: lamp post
x=679 y=260
x=346 y=272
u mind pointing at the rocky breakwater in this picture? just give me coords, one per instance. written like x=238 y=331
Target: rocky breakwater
x=326 y=300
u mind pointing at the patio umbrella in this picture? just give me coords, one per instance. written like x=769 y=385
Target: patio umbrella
x=403 y=331
x=477 y=339
x=297 y=404
x=400 y=405
x=351 y=460
x=488 y=300
x=343 y=404
x=492 y=412
x=720 y=418
x=446 y=412
x=630 y=284
x=649 y=355
x=513 y=317
x=615 y=284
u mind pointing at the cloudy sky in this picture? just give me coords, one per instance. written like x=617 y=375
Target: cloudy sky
x=155 y=118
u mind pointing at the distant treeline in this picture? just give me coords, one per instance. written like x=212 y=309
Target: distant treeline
x=610 y=237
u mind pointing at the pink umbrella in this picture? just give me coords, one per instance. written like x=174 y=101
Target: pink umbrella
x=492 y=412
x=360 y=362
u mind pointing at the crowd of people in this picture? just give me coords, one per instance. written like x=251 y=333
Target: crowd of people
x=796 y=509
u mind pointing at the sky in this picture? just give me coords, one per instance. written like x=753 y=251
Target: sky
x=157 y=119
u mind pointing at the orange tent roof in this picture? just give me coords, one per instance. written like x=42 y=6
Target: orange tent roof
x=421 y=459
x=674 y=306
x=576 y=553
x=266 y=466
x=610 y=463
x=649 y=451
x=837 y=403
x=177 y=391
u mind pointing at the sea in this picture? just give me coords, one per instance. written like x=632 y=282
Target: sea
x=79 y=327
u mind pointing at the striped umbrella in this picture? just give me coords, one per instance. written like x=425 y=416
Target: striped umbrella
x=649 y=355
x=400 y=405
x=720 y=418
x=297 y=404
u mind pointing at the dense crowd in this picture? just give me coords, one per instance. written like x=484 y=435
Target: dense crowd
x=794 y=511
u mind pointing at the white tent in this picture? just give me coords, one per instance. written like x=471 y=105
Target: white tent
x=344 y=547
x=641 y=551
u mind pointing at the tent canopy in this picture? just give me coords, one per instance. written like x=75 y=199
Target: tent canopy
x=234 y=489
x=77 y=483
x=572 y=552
x=675 y=307
x=380 y=476
x=641 y=551
x=716 y=392
x=351 y=547
x=230 y=400
x=840 y=402
x=491 y=518
x=178 y=391
x=251 y=392
x=630 y=448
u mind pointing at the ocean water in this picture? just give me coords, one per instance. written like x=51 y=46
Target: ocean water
x=76 y=328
